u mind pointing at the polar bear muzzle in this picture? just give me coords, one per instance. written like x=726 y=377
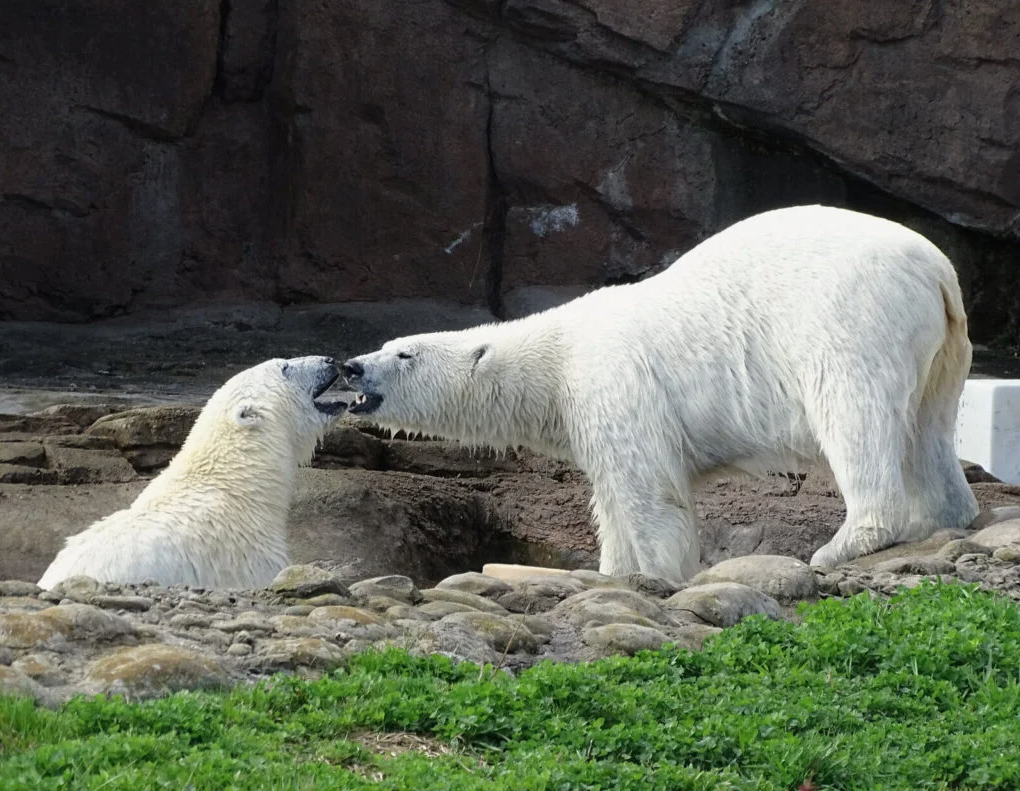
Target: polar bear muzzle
x=319 y=374
x=365 y=402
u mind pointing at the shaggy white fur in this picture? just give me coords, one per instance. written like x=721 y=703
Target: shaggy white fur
x=217 y=515
x=796 y=333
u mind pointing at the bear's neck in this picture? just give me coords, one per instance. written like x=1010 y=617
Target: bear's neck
x=207 y=474
x=517 y=403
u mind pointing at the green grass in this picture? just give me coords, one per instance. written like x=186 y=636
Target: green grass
x=920 y=692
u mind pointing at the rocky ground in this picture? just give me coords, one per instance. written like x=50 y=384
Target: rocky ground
x=389 y=534
x=146 y=640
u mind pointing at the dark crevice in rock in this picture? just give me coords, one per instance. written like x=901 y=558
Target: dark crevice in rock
x=140 y=128
x=246 y=50
x=220 y=79
x=27 y=202
x=480 y=9
x=58 y=205
x=268 y=62
x=494 y=229
x=936 y=13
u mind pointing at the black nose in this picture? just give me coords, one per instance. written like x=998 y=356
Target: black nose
x=353 y=368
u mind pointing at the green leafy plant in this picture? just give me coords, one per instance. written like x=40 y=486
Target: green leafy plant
x=918 y=692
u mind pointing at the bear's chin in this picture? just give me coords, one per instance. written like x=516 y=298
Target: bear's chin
x=365 y=404
x=330 y=408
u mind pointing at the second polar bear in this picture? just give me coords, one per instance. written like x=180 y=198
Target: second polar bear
x=217 y=515
x=797 y=333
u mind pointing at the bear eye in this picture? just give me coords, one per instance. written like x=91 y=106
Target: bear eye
x=404 y=355
x=285 y=368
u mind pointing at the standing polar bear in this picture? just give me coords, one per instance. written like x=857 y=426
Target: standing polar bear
x=797 y=333
x=217 y=515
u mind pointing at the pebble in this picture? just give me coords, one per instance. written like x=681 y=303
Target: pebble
x=1010 y=554
x=395 y=586
x=39 y=668
x=464 y=598
x=305 y=582
x=249 y=621
x=187 y=620
x=298 y=626
x=955 y=549
x=403 y=612
x=337 y=614
x=293 y=652
x=623 y=638
x=133 y=603
x=16 y=603
x=932 y=565
x=79 y=589
x=502 y=634
x=603 y=606
x=16 y=684
x=54 y=627
x=328 y=600
x=999 y=534
x=19 y=588
x=474 y=582
x=382 y=603
x=437 y=609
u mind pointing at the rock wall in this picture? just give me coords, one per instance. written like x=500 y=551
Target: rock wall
x=160 y=154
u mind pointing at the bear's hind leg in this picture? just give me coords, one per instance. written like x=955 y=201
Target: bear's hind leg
x=865 y=450
x=938 y=492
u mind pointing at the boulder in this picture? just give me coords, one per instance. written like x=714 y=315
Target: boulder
x=146 y=671
x=723 y=603
x=784 y=579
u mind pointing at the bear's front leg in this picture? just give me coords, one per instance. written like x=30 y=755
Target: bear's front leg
x=642 y=532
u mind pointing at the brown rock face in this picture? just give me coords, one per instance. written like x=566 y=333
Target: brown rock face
x=96 y=97
x=162 y=155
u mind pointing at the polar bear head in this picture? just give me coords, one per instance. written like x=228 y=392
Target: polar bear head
x=497 y=385
x=270 y=413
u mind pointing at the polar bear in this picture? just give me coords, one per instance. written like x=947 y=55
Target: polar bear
x=795 y=334
x=216 y=516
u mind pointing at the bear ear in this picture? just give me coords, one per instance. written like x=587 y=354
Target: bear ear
x=481 y=356
x=246 y=416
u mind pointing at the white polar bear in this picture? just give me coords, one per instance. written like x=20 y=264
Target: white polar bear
x=217 y=515
x=797 y=333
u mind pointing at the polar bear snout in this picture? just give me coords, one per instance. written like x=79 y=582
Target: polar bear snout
x=367 y=400
x=315 y=375
x=352 y=369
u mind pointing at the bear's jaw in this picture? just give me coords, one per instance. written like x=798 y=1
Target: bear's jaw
x=330 y=408
x=327 y=408
x=365 y=404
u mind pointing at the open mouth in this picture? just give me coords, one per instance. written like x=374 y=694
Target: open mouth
x=365 y=403
x=330 y=408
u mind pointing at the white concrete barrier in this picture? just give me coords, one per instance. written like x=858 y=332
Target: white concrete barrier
x=988 y=426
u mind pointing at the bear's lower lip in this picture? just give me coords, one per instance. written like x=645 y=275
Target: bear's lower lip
x=365 y=403
x=331 y=408
x=325 y=385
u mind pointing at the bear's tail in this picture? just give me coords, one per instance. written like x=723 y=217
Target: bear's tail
x=951 y=365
